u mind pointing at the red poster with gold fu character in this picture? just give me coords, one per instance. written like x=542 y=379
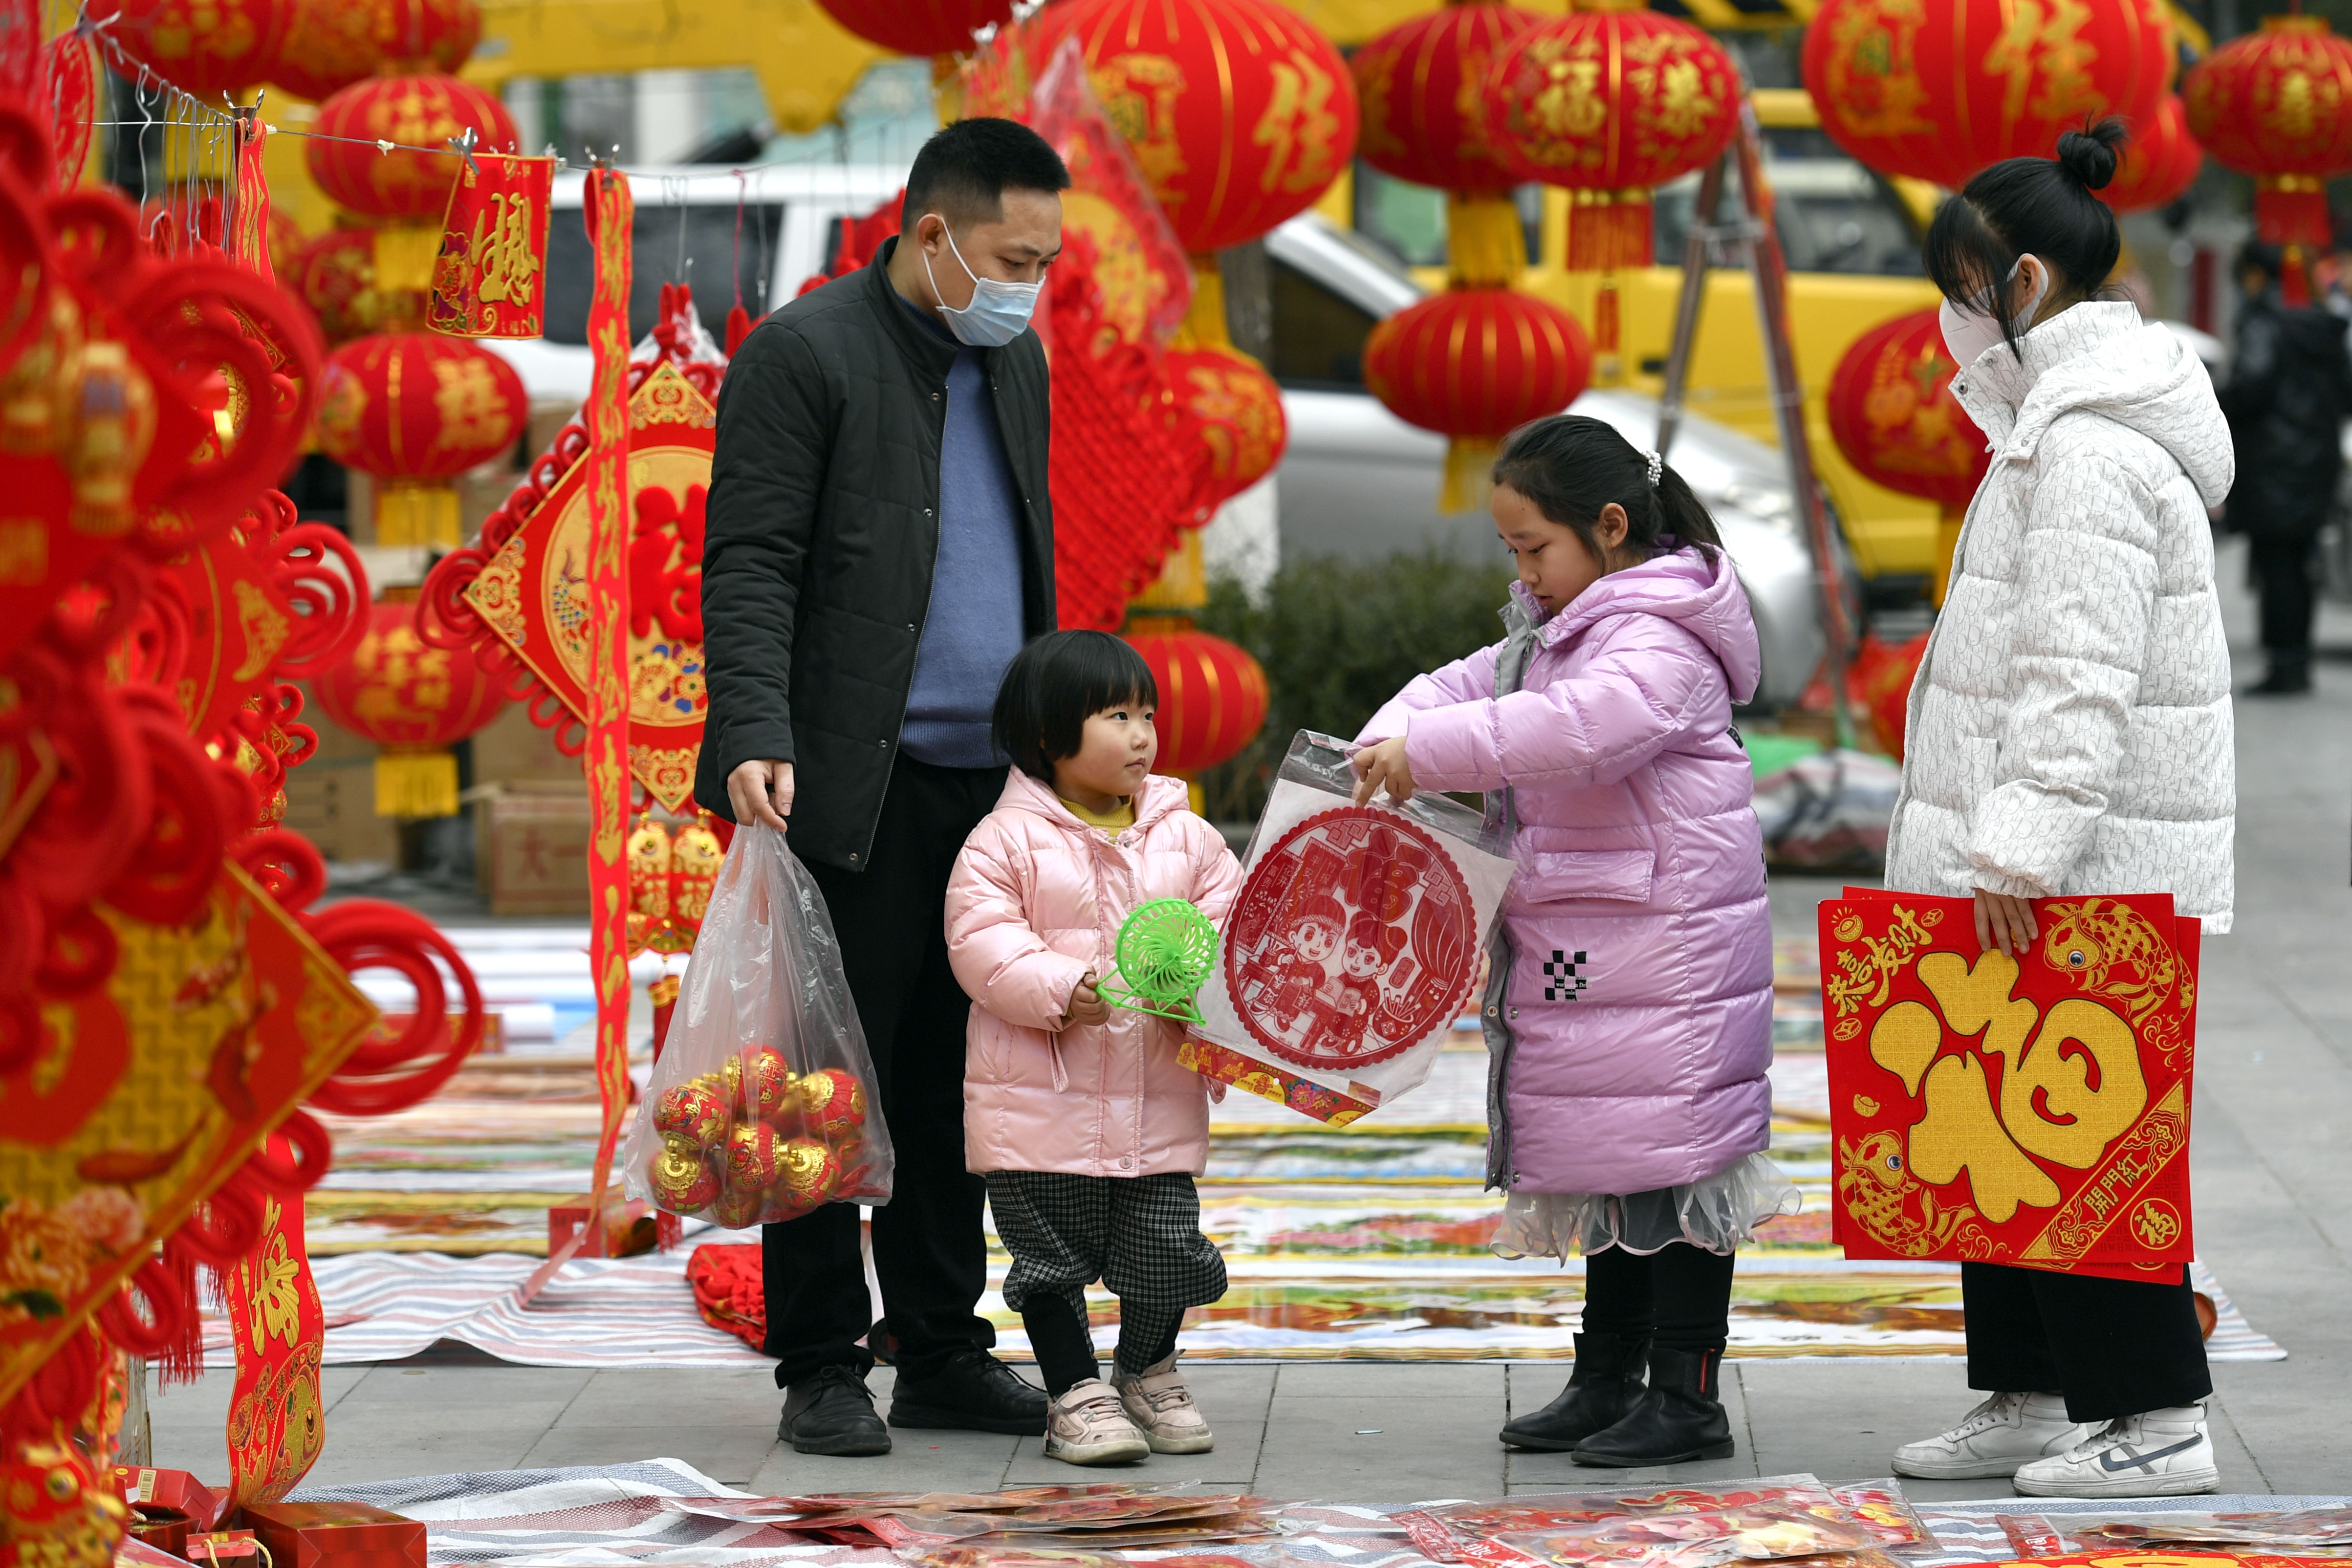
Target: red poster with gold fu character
x=2030 y=1110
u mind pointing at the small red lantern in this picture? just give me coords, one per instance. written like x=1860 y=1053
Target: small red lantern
x=203 y=47
x=1939 y=89
x=413 y=700
x=335 y=275
x=919 y=26
x=415 y=408
x=1238 y=112
x=1212 y=695
x=412 y=111
x=2277 y=104
x=1240 y=410
x=330 y=44
x=1421 y=88
x=1612 y=100
x=2159 y=163
x=1476 y=364
x=1893 y=413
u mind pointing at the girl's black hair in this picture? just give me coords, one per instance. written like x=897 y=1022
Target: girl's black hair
x=1571 y=465
x=1055 y=685
x=2039 y=207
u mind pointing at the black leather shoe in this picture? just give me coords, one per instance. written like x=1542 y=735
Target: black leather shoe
x=832 y=1413
x=1603 y=1386
x=1679 y=1416
x=2287 y=678
x=975 y=1391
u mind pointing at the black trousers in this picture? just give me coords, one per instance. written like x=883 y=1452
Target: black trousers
x=928 y=1253
x=2283 y=569
x=2114 y=1347
x=1678 y=1296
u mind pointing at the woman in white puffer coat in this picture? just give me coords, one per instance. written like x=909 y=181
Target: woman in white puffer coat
x=2070 y=731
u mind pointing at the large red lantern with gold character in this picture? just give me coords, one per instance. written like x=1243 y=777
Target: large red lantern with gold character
x=1240 y=410
x=203 y=47
x=1476 y=364
x=1939 y=89
x=918 y=26
x=330 y=44
x=415 y=701
x=1610 y=101
x=2277 y=104
x=1238 y=112
x=2159 y=163
x=1893 y=413
x=1212 y=695
x=1422 y=90
x=415 y=409
x=413 y=111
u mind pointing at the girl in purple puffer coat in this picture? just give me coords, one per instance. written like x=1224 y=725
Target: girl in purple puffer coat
x=1629 y=1018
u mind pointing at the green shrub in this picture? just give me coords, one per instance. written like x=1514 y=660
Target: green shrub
x=1338 y=638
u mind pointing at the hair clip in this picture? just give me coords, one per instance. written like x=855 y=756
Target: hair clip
x=1657 y=466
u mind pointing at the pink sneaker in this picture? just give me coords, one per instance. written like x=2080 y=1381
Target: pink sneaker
x=1161 y=1408
x=1086 y=1426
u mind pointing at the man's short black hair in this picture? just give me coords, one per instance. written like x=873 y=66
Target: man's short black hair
x=1055 y=685
x=964 y=170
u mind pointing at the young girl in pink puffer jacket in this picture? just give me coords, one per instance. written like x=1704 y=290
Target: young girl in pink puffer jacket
x=1087 y=1128
x=1629 y=1015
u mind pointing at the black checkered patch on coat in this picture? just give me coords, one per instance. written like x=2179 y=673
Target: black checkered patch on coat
x=1561 y=982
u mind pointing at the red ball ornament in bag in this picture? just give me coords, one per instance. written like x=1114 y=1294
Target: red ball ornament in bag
x=751 y=1153
x=681 y=1175
x=692 y=1111
x=808 y=1174
x=832 y=1102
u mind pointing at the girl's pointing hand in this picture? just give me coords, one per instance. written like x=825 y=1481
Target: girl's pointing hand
x=1383 y=766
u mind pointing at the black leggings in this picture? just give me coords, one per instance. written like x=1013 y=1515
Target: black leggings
x=1678 y=1296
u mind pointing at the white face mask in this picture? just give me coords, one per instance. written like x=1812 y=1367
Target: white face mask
x=999 y=311
x=1970 y=329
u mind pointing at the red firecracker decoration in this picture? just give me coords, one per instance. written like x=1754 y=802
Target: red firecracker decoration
x=1893 y=413
x=1422 y=89
x=1476 y=364
x=1240 y=410
x=1212 y=695
x=415 y=409
x=411 y=111
x=1609 y=103
x=1238 y=112
x=2277 y=104
x=919 y=26
x=2159 y=163
x=415 y=701
x=1938 y=90
x=330 y=44
x=203 y=47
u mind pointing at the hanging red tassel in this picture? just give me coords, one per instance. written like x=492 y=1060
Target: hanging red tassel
x=1604 y=318
x=183 y=1360
x=738 y=327
x=1609 y=230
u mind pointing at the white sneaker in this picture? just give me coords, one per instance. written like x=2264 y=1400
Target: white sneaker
x=2164 y=1453
x=1087 y=1426
x=1161 y=1408
x=2004 y=1432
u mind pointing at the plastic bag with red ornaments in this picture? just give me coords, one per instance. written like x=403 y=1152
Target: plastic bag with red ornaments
x=763 y=1107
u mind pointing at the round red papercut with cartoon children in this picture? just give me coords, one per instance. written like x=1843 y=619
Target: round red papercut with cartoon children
x=1353 y=937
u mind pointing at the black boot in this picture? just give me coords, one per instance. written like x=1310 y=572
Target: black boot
x=975 y=1391
x=1606 y=1382
x=832 y=1412
x=2289 y=676
x=1679 y=1416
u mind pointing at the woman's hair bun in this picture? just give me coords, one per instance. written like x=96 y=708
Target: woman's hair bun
x=2092 y=153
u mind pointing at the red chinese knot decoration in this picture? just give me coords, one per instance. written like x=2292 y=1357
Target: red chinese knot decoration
x=1422 y=90
x=1212 y=695
x=2032 y=1110
x=2159 y=163
x=415 y=111
x=2277 y=104
x=918 y=26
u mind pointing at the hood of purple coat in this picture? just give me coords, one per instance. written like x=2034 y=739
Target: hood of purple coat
x=1702 y=594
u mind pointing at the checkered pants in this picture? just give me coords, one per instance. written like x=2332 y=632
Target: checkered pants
x=1140 y=1235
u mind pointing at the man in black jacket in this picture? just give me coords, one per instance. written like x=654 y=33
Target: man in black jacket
x=2289 y=392
x=880 y=545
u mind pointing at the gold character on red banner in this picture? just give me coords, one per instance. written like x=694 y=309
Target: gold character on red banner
x=490 y=279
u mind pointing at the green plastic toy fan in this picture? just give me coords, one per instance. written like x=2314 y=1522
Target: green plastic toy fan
x=1165 y=951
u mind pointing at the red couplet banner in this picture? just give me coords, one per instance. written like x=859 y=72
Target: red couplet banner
x=2028 y=1110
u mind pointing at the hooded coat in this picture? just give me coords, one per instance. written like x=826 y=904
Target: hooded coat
x=2069 y=728
x=1631 y=1037
x=1034 y=905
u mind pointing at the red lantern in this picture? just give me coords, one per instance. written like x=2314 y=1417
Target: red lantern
x=1939 y=89
x=414 y=111
x=1238 y=112
x=919 y=26
x=2159 y=163
x=413 y=700
x=1893 y=413
x=413 y=408
x=1212 y=695
x=1612 y=101
x=2277 y=105
x=335 y=275
x=1476 y=364
x=203 y=47
x=1240 y=410
x=1422 y=87
x=330 y=44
